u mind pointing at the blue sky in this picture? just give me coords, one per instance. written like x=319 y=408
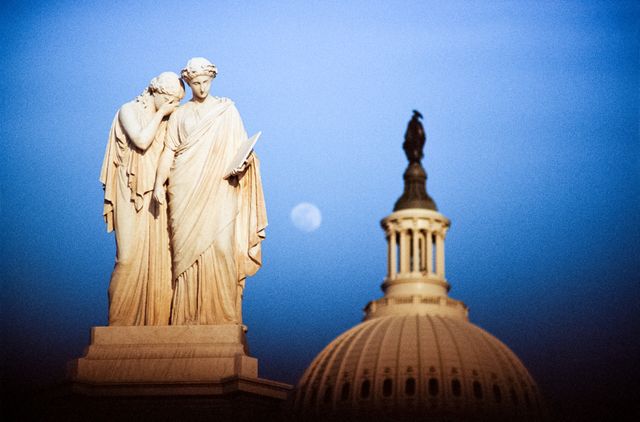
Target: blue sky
x=531 y=112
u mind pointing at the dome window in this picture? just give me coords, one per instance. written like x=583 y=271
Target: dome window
x=497 y=394
x=410 y=387
x=344 y=394
x=387 y=387
x=477 y=389
x=456 y=388
x=365 y=389
x=433 y=386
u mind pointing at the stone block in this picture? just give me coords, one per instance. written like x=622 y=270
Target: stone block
x=164 y=354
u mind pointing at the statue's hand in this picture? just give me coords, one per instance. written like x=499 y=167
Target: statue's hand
x=169 y=107
x=250 y=159
x=158 y=194
x=241 y=169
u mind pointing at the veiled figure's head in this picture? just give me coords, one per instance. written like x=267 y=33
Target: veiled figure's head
x=198 y=73
x=166 y=87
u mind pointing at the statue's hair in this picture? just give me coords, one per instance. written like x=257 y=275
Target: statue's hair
x=198 y=66
x=167 y=83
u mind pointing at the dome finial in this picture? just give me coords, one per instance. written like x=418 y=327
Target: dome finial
x=415 y=178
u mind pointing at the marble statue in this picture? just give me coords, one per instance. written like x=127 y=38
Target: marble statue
x=184 y=196
x=216 y=223
x=140 y=290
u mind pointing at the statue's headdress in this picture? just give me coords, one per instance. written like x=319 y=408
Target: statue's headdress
x=198 y=66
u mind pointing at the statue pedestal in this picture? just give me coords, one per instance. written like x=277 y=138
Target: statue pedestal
x=185 y=360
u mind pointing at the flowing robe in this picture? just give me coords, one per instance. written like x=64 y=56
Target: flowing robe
x=140 y=291
x=216 y=225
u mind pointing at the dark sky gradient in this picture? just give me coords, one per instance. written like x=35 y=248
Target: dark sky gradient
x=532 y=117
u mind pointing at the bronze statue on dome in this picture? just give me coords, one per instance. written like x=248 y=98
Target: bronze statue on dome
x=415 y=177
x=414 y=139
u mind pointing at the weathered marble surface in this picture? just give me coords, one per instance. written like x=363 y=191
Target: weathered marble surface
x=147 y=354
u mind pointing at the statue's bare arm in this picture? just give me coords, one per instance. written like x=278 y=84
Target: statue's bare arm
x=162 y=174
x=142 y=137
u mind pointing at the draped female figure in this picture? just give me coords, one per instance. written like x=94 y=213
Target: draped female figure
x=216 y=224
x=140 y=290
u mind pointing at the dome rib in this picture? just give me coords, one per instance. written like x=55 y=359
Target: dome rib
x=504 y=369
x=421 y=386
x=340 y=374
x=510 y=381
x=440 y=374
x=316 y=366
x=481 y=367
x=325 y=381
x=376 y=379
x=461 y=362
x=398 y=357
x=522 y=380
x=358 y=376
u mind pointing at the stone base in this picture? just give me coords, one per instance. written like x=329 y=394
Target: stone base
x=168 y=373
x=164 y=354
x=188 y=360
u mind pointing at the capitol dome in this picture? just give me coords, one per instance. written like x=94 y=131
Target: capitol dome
x=436 y=367
x=416 y=356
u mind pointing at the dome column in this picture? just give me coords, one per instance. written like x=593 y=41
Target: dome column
x=415 y=238
x=412 y=269
x=404 y=256
x=440 y=253
x=392 y=252
x=429 y=257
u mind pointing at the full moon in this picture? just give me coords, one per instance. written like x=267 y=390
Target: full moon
x=306 y=217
